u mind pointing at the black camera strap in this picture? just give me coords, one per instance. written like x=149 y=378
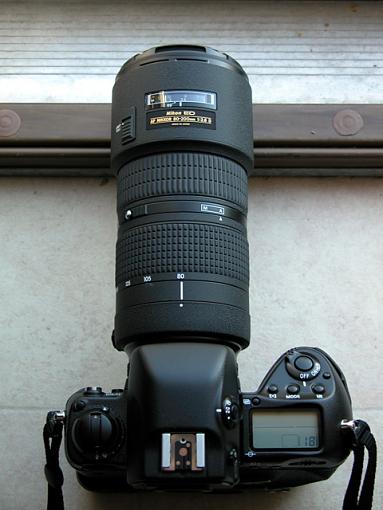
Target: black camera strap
x=52 y=434
x=358 y=498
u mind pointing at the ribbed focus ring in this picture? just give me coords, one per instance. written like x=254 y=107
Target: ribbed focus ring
x=182 y=173
x=186 y=247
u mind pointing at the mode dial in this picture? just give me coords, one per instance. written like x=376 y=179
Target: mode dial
x=230 y=412
x=95 y=432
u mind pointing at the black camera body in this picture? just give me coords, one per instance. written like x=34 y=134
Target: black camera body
x=182 y=147
x=189 y=427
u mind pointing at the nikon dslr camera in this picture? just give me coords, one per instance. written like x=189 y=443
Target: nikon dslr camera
x=181 y=422
x=182 y=148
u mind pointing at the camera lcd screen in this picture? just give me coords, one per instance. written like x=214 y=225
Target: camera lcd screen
x=274 y=429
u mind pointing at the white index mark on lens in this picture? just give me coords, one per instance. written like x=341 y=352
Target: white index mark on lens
x=181 y=293
x=304 y=383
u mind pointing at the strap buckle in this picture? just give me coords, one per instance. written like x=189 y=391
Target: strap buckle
x=360 y=438
x=359 y=430
x=55 y=422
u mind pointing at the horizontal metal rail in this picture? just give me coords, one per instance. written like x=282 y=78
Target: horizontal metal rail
x=289 y=140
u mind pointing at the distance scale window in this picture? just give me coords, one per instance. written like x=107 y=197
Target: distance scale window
x=180 y=99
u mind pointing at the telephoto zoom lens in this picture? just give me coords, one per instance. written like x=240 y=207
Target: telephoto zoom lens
x=182 y=147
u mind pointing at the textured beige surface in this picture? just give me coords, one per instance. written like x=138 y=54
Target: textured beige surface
x=316 y=278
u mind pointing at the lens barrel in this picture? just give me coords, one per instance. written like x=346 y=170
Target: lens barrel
x=182 y=144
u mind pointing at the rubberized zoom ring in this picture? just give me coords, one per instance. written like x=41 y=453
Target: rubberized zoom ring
x=186 y=247
x=182 y=173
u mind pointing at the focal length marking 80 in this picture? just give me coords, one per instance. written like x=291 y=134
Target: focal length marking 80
x=149 y=278
x=154 y=278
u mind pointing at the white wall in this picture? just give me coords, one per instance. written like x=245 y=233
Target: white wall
x=316 y=244
x=316 y=269
x=293 y=51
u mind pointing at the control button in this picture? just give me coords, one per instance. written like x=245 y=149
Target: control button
x=128 y=127
x=93 y=390
x=293 y=389
x=326 y=375
x=319 y=389
x=256 y=401
x=117 y=390
x=273 y=388
x=304 y=363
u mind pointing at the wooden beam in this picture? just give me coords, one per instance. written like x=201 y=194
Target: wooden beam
x=300 y=140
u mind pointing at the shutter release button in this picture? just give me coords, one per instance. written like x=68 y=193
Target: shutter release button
x=304 y=363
